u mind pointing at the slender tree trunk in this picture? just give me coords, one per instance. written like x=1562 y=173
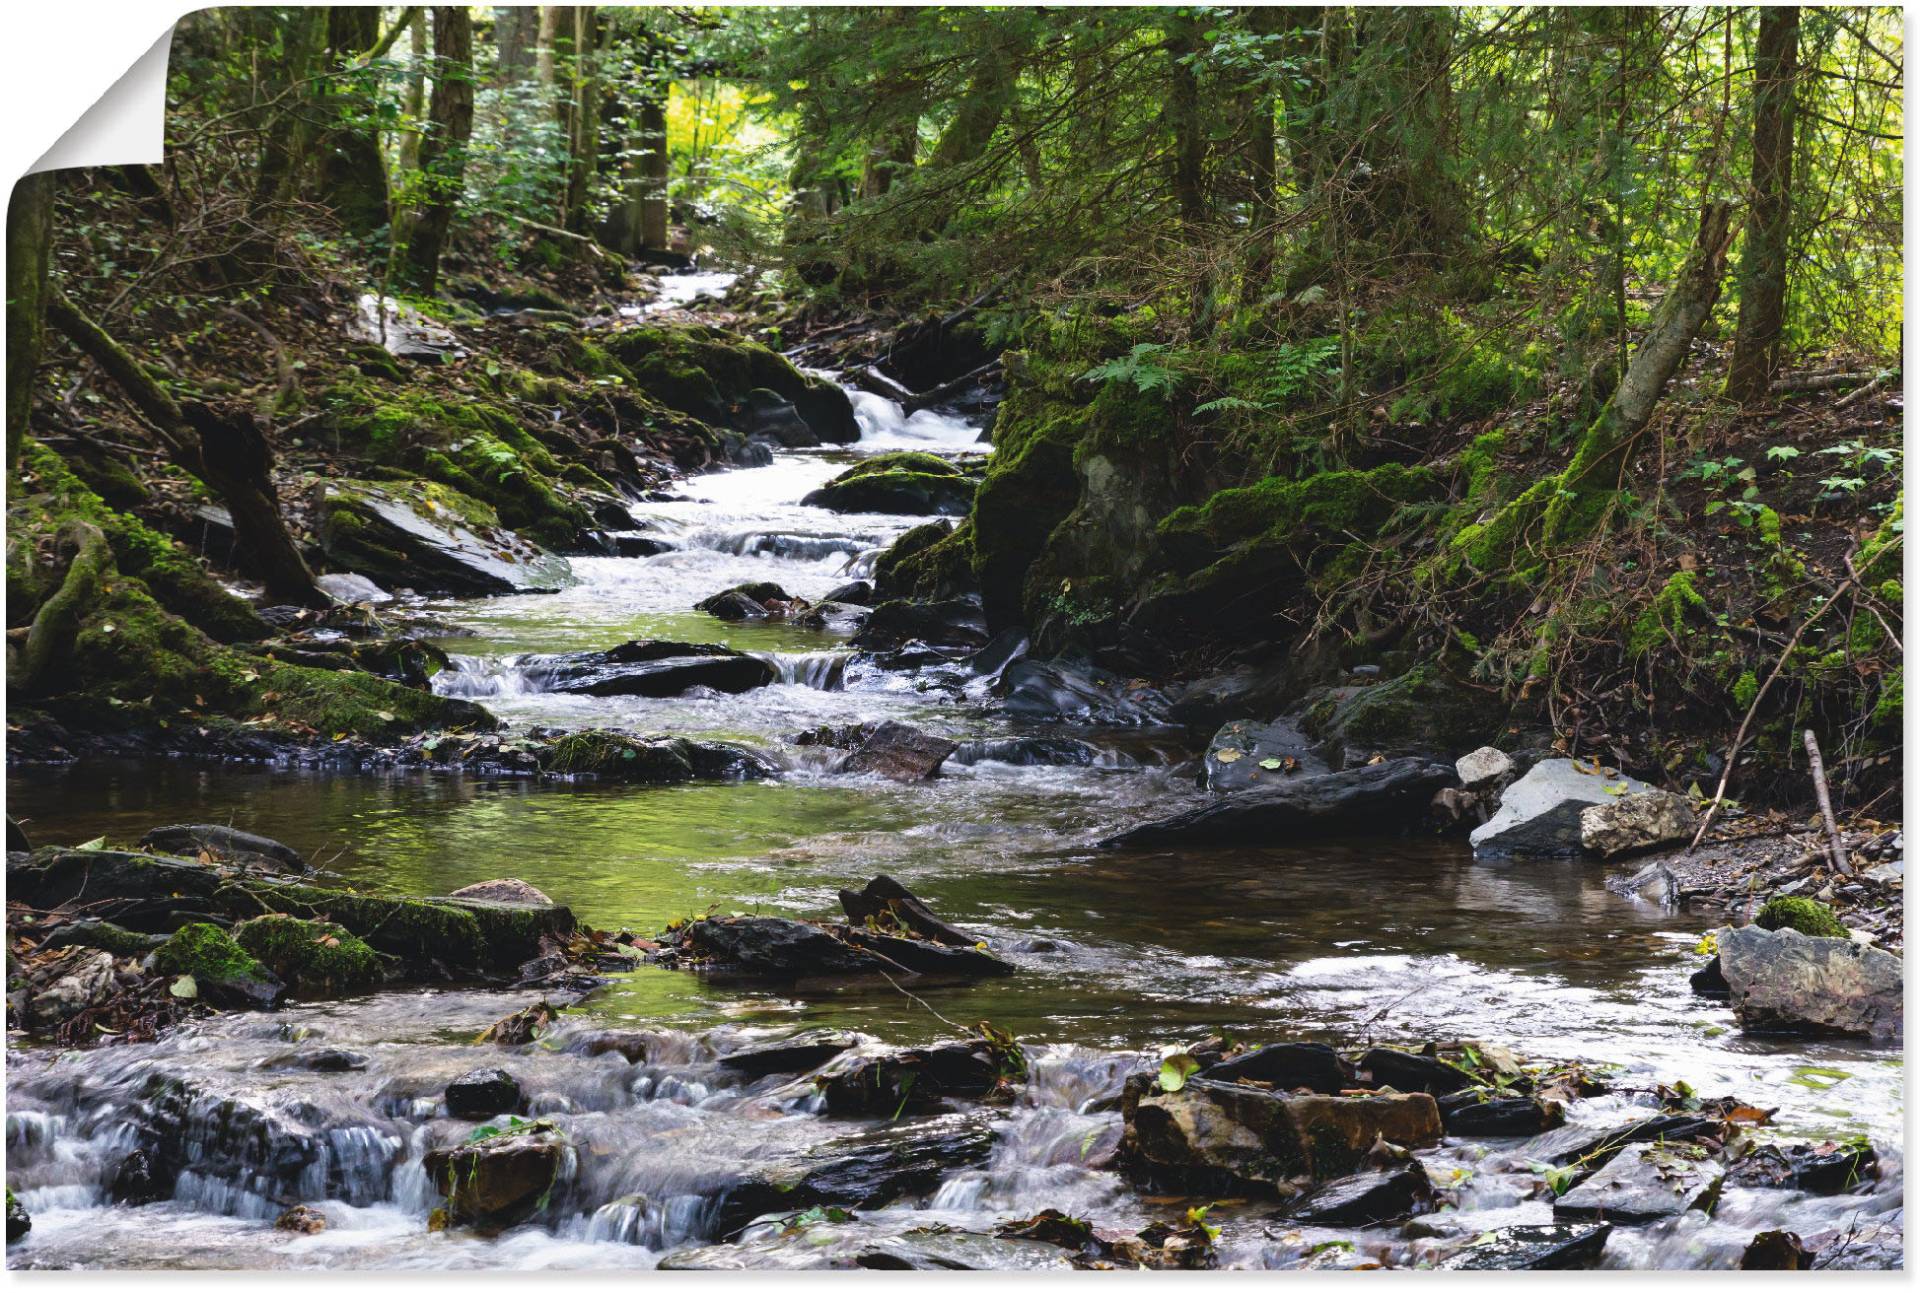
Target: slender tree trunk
x=1263 y=159
x=581 y=119
x=516 y=31
x=289 y=128
x=354 y=174
x=416 y=99
x=652 y=197
x=443 y=153
x=29 y=240
x=223 y=447
x=1763 y=263
x=1182 y=117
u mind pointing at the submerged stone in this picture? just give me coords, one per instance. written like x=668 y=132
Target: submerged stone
x=651 y=669
x=224 y=844
x=801 y=1052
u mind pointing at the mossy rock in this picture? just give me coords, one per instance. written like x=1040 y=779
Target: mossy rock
x=47 y=496
x=1294 y=512
x=1813 y=918
x=931 y=561
x=1423 y=710
x=316 y=958
x=615 y=756
x=223 y=972
x=710 y=374
x=901 y=484
x=426 y=536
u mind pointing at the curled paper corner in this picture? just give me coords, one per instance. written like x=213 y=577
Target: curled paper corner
x=126 y=125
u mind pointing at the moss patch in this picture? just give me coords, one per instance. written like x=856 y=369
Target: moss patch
x=315 y=957
x=207 y=952
x=1812 y=918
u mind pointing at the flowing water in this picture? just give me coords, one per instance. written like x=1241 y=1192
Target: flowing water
x=1119 y=954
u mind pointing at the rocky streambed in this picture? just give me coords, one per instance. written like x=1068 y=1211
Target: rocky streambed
x=1244 y=1003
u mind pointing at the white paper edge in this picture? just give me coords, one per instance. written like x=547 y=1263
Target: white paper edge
x=125 y=126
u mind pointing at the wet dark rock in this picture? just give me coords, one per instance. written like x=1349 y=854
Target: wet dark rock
x=835 y=1243
x=954 y=623
x=18 y=1221
x=898 y=752
x=509 y=890
x=1060 y=691
x=484 y=1093
x=301 y=1219
x=1375 y=798
x=1595 y=1145
x=732 y=605
x=1510 y=1116
x=1029 y=752
x=652 y=669
x=498 y=1181
x=1539 y=815
x=776 y=945
x=1405 y=1071
x=135 y=1183
x=867 y=1169
x=1246 y=754
x=918 y=1079
x=17 y=838
x=639 y=545
x=921 y=957
x=765 y=416
x=1247 y=689
x=326 y=1060
x=224 y=844
x=801 y=1052
x=1367 y=1198
x=886 y=903
x=1288 y=1066
x=102 y=934
x=857 y=593
x=1776 y=1250
x=1645 y=1183
x=1568 y=1247
x=1782 y=982
x=1817 y=1169
x=833 y=617
x=1709 y=982
x=1212 y=1135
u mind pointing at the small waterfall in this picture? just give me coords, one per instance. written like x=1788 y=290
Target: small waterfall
x=820 y=670
x=471 y=676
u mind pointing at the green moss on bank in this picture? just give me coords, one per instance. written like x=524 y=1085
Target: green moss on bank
x=1812 y=918
x=316 y=958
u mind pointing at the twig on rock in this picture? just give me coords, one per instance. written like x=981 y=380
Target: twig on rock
x=1819 y=770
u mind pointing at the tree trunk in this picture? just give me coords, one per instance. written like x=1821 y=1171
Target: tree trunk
x=1763 y=263
x=652 y=195
x=46 y=658
x=354 y=173
x=516 y=31
x=443 y=153
x=29 y=240
x=416 y=101
x=224 y=448
x=1605 y=451
x=1394 y=134
x=289 y=127
x=581 y=119
x=1182 y=117
x=1263 y=159
x=986 y=102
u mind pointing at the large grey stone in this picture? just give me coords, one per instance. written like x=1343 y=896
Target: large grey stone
x=1645 y=1183
x=1539 y=814
x=1636 y=823
x=1781 y=981
x=1376 y=797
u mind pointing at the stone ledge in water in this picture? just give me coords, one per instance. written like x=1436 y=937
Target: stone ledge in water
x=1367 y=1198
x=1218 y=1135
x=784 y=948
x=841 y=1241
x=650 y=668
x=500 y=1180
x=1245 y=754
x=918 y=1078
x=1376 y=798
x=900 y=484
x=956 y=622
x=1782 y=982
x=1062 y=691
x=1645 y=1183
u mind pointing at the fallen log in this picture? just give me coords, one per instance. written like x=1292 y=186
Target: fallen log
x=927 y=399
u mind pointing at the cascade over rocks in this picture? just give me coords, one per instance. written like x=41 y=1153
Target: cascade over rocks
x=1377 y=797
x=1566 y=1247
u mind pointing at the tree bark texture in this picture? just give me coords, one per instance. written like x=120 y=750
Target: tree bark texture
x=443 y=153
x=1763 y=263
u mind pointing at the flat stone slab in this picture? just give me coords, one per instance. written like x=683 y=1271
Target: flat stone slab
x=1569 y=1247
x=1645 y=1183
x=1246 y=754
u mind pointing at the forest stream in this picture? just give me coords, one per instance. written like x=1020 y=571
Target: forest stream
x=1356 y=941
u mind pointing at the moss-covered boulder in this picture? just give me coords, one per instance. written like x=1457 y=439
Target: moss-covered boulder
x=931 y=562
x=316 y=958
x=604 y=755
x=903 y=484
x=432 y=539
x=718 y=378
x=222 y=971
x=1424 y=710
x=1808 y=915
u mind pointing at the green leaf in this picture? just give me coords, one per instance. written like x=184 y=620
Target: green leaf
x=1175 y=1069
x=184 y=987
x=93 y=845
